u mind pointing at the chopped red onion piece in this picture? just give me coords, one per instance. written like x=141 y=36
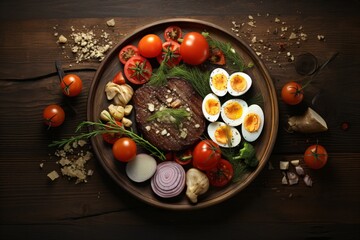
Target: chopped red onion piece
x=299 y=170
x=293 y=178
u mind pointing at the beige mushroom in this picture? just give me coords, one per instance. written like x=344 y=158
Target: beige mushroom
x=197 y=184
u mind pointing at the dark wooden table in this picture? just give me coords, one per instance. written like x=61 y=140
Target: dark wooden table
x=32 y=206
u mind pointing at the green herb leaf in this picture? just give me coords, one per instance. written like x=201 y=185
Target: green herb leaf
x=170 y=115
x=199 y=79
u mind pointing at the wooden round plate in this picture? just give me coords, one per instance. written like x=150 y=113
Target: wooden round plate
x=262 y=84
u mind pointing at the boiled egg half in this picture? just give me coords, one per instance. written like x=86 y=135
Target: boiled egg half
x=211 y=107
x=239 y=83
x=253 y=123
x=224 y=135
x=233 y=111
x=219 y=81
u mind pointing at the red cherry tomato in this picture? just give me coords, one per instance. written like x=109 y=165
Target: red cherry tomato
x=124 y=149
x=315 y=156
x=172 y=33
x=71 y=85
x=170 y=54
x=111 y=138
x=119 y=78
x=194 y=49
x=292 y=93
x=221 y=174
x=53 y=115
x=184 y=157
x=138 y=70
x=150 y=46
x=206 y=155
x=217 y=56
x=127 y=52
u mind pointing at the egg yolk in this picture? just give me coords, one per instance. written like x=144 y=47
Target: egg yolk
x=252 y=122
x=238 y=83
x=223 y=134
x=233 y=110
x=219 y=81
x=212 y=106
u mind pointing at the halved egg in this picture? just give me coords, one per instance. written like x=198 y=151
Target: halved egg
x=253 y=123
x=211 y=107
x=239 y=83
x=233 y=111
x=224 y=135
x=219 y=81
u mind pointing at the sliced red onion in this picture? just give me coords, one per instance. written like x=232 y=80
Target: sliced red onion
x=168 y=180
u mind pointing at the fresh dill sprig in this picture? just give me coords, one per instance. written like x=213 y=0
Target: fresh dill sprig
x=96 y=128
x=236 y=62
x=172 y=115
x=158 y=77
x=198 y=78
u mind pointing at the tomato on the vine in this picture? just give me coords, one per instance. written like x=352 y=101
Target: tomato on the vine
x=111 y=138
x=221 y=174
x=138 y=70
x=71 y=85
x=184 y=157
x=194 y=48
x=206 y=155
x=150 y=46
x=53 y=115
x=292 y=93
x=172 y=33
x=124 y=149
x=170 y=54
x=128 y=52
x=315 y=156
x=119 y=78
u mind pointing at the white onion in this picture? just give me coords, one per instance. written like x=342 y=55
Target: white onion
x=141 y=168
x=168 y=180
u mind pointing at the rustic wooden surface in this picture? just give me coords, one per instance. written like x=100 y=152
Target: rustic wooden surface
x=31 y=206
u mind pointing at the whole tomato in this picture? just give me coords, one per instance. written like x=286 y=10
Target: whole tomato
x=206 y=155
x=194 y=48
x=71 y=85
x=292 y=93
x=315 y=156
x=150 y=46
x=170 y=54
x=221 y=174
x=53 y=115
x=124 y=149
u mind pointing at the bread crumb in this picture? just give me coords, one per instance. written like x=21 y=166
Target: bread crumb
x=111 y=23
x=53 y=175
x=62 y=39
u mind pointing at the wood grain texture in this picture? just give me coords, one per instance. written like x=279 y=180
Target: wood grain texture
x=32 y=206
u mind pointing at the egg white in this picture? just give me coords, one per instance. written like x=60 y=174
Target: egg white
x=235 y=122
x=248 y=80
x=235 y=139
x=252 y=136
x=209 y=117
x=218 y=92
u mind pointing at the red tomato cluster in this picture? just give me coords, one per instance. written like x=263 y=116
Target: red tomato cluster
x=206 y=156
x=191 y=49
